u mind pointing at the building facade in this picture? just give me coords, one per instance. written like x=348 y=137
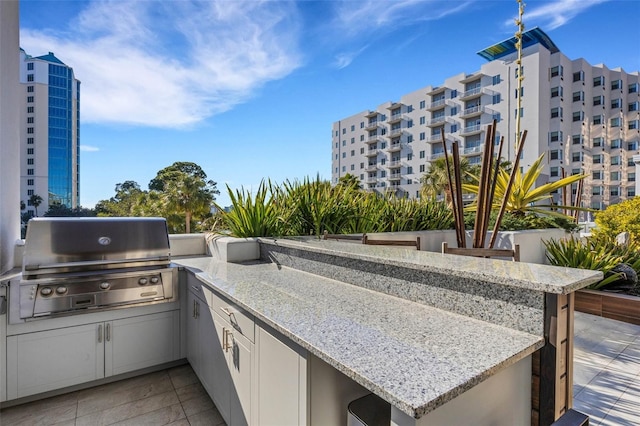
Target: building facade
x=50 y=132
x=584 y=118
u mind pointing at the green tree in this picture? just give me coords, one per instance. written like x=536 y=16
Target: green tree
x=621 y=217
x=188 y=195
x=35 y=201
x=128 y=201
x=435 y=181
x=174 y=171
x=350 y=180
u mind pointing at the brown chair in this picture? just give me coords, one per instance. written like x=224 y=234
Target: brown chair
x=402 y=243
x=483 y=252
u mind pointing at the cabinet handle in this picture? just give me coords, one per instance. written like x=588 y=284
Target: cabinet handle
x=100 y=333
x=108 y=332
x=196 y=288
x=197 y=310
x=226 y=311
x=193 y=313
x=225 y=339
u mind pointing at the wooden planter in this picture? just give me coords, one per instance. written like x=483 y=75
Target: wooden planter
x=619 y=307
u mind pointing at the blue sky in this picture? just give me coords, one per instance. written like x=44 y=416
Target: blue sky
x=249 y=89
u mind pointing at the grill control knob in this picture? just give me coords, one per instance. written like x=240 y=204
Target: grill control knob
x=61 y=289
x=104 y=285
x=46 y=291
x=154 y=280
x=143 y=281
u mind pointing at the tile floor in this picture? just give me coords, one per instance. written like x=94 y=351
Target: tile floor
x=169 y=397
x=606 y=387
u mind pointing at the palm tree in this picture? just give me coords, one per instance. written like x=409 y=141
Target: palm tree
x=35 y=201
x=188 y=195
x=435 y=181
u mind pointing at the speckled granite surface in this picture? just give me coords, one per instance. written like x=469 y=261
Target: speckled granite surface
x=415 y=356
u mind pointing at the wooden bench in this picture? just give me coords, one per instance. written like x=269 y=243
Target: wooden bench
x=402 y=243
x=343 y=237
x=483 y=252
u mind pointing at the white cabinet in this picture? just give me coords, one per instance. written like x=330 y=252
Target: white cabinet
x=201 y=340
x=53 y=359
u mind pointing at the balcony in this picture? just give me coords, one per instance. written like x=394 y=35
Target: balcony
x=436 y=104
x=371 y=168
x=435 y=156
x=395 y=147
x=437 y=121
x=373 y=139
x=472 y=111
x=434 y=138
x=471 y=93
x=395 y=164
x=371 y=152
x=395 y=118
x=394 y=133
x=394 y=177
x=473 y=150
x=371 y=114
x=471 y=130
x=371 y=125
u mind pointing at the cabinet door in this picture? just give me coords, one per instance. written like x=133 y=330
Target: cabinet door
x=140 y=342
x=221 y=394
x=193 y=338
x=48 y=360
x=241 y=367
x=210 y=353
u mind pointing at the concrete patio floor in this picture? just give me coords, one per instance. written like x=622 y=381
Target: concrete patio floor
x=606 y=387
x=606 y=377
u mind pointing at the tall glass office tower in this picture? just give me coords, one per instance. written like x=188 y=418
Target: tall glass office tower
x=50 y=155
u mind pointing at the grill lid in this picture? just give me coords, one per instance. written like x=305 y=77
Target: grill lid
x=56 y=245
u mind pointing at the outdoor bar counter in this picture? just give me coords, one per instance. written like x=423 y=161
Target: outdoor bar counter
x=421 y=330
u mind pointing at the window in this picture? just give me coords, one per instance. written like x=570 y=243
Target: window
x=553 y=171
x=634 y=124
x=422 y=168
x=616 y=84
x=454 y=94
x=614 y=191
x=409 y=182
x=30 y=110
x=29 y=151
x=361 y=138
x=597 y=175
x=30 y=141
x=615 y=160
x=496 y=99
x=557 y=71
x=556 y=112
x=422 y=154
x=598 y=81
x=353 y=140
x=516 y=71
x=361 y=150
x=383 y=161
x=422 y=136
x=515 y=112
x=353 y=127
x=597 y=159
x=521 y=92
x=30 y=182
x=383 y=173
x=614 y=175
x=575 y=171
x=362 y=167
x=616 y=144
x=344 y=155
x=30 y=66
x=633 y=88
x=555 y=136
x=496 y=79
x=578 y=76
x=409 y=157
x=30 y=192
x=633 y=106
x=344 y=143
x=29 y=77
x=29 y=89
x=454 y=128
x=555 y=154
x=598 y=142
x=30 y=99
x=353 y=167
x=454 y=111
x=409 y=170
x=409 y=138
x=30 y=130
x=632 y=146
x=578 y=96
x=423 y=120
x=630 y=162
x=631 y=177
x=631 y=192
x=597 y=190
x=578 y=116
x=422 y=104
x=409 y=123
x=362 y=124
x=576 y=139
x=353 y=152
x=496 y=116
x=615 y=122
x=616 y=103
x=556 y=91
x=29 y=120
x=598 y=100
x=30 y=172
x=383 y=145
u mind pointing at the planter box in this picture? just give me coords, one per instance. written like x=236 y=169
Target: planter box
x=619 y=307
x=231 y=249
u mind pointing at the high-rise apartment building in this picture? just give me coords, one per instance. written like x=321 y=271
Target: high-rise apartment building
x=584 y=118
x=50 y=132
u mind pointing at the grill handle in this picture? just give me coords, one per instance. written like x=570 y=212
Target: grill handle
x=108 y=332
x=100 y=333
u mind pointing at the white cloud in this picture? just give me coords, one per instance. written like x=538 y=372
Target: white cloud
x=89 y=148
x=344 y=59
x=555 y=14
x=171 y=64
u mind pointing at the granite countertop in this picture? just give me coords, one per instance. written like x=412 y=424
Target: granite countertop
x=414 y=356
x=530 y=276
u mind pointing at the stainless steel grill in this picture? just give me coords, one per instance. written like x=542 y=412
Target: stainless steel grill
x=75 y=265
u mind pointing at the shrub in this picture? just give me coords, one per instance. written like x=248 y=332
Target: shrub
x=617 y=218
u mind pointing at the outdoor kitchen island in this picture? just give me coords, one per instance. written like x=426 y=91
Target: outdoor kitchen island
x=444 y=339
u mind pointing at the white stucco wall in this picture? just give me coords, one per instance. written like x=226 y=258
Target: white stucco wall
x=9 y=132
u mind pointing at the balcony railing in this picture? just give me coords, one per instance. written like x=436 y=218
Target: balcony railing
x=473 y=149
x=434 y=138
x=371 y=180
x=394 y=147
x=471 y=92
x=471 y=129
x=395 y=132
x=435 y=121
x=436 y=104
x=395 y=176
x=393 y=164
x=372 y=124
x=472 y=110
x=374 y=138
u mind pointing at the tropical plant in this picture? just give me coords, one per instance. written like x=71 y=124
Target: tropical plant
x=594 y=253
x=524 y=198
x=516 y=222
x=188 y=195
x=35 y=200
x=617 y=218
x=435 y=182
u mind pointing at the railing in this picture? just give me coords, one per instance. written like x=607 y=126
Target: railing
x=434 y=138
x=472 y=110
x=371 y=180
x=471 y=92
x=473 y=149
x=373 y=138
x=395 y=132
x=436 y=104
x=472 y=128
x=395 y=146
x=371 y=167
x=372 y=124
x=436 y=120
x=436 y=156
x=396 y=163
